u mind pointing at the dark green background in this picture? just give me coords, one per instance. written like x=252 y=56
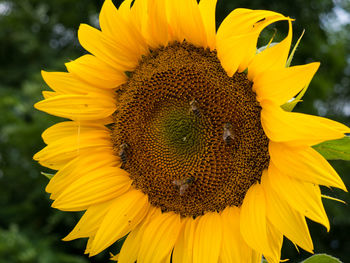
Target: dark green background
x=38 y=34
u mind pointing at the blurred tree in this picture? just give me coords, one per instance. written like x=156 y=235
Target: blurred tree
x=37 y=34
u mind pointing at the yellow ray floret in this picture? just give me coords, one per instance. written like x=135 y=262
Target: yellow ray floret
x=209 y=228
x=302 y=196
x=88 y=69
x=86 y=162
x=124 y=214
x=305 y=164
x=298 y=128
x=233 y=248
x=183 y=250
x=99 y=186
x=287 y=220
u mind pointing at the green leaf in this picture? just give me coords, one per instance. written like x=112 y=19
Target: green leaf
x=128 y=73
x=290 y=58
x=321 y=258
x=289 y=106
x=49 y=176
x=335 y=150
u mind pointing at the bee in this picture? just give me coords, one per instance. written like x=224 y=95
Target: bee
x=194 y=108
x=228 y=134
x=183 y=184
x=123 y=152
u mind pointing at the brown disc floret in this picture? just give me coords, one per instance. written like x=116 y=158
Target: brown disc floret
x=189 y=135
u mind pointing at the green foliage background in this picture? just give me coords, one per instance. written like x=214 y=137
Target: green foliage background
x=38 y=34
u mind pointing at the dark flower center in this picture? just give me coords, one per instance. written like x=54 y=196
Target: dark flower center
x=189 y=135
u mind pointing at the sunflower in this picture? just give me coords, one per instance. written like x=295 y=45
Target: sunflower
x=176 y=138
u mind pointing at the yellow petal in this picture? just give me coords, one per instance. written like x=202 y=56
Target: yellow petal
x=65 y=129
x=67 y=83
x=283 y=84
x=78 y=107
x=131 y=246
x=98 y=186
x=303 y=197
x=155 y=30
x=159 y=237
x=186 y=22
x=88 y=69
x=304 y=163
x=88 y=245
x=67 y=148
x=207 y=10
x=274 y=57
x=253 y=220
x=275 y=242
x=256 y=257
x=105 y=49
x=119 y=28
x=208 y=238
x=90 y=221
x=242 y=21
x=298 y=128
x=167 y=259
x=234 y=248
x=125 y=213
x=286 y=219
x=183 y=250
x=49 y=94
x=238 y=34
x=79 y=167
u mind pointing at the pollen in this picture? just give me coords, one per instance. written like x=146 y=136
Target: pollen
x=189 y=135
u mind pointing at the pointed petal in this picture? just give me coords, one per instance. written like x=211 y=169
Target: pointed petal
x=186 y=22
x=234 y=248
x=88 y=245
x=253 y=220
x=96 y=187
x=298 y=128
x=131 y=246
x=167 y=259
x=90 y=221
x=275 y=242
x=79 y=167
x=78 y=107
x=283 y=84
x=105 y=49
x=238 y=34
x=303 y=197
x=274 y=57
x=95 y=72
x=159 y=237
x=49 y=94
x=207 y=10
x=119 y=27
x=66 y=129
x=155 y=30
x=60 y=152
x=183 y=250
x=208 y=238
x=256 y=257
x=67 y=83
x=305 y=164
x=287 y=220
x=125 y=213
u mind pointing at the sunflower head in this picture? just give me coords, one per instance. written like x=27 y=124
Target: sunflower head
x=199 y=128
x=177 y=139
